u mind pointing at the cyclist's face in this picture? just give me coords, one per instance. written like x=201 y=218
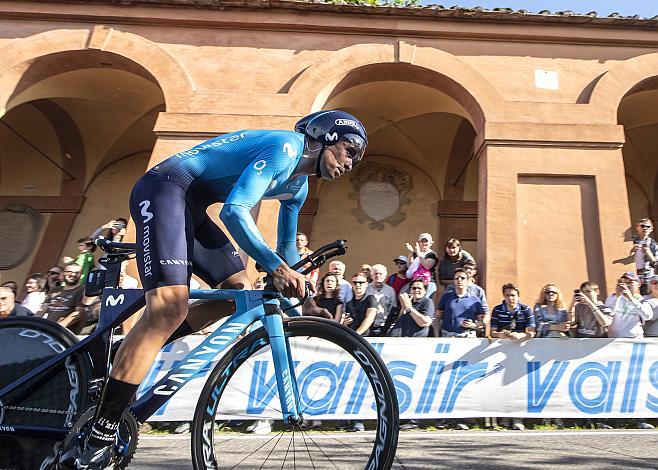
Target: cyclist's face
x=336 y=160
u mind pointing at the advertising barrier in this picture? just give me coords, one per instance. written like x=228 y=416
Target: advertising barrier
x=439 y=378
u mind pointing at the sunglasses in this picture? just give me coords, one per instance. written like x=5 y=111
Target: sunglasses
x=359 y=282
x=460 y=278
x=53 y=273
x=645 y=226
x=416 y=288
x=399 y=262
x=549 y=292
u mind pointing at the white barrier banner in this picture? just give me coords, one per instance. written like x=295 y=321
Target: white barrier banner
x=437 y=378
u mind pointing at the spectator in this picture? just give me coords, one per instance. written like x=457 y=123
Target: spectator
x=416 y=312
x=550 y=314
x=85 y=258
x=426 y=278
x=629 y=311
x=114 y=230
x=35 y=292
x=458 y=310
x=366 y=269
x=423 y=258
x=259 y=283
x=474 y=289
x=65 y=306
x=8 y=306
x=326 y=303
x=304 y=250
x=512 y=320
x=55 y=279
x=645 y=252
x=12 y=286
x=651 y=326
x=453 y=257
x=399 y=279
x=345 y=292
x=590 y=318
x=362 y=310
x=384 y=296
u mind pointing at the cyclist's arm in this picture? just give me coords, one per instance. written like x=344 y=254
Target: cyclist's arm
x=247 y=192
x=287 y=226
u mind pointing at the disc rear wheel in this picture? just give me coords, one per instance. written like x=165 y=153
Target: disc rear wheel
x=54 y=399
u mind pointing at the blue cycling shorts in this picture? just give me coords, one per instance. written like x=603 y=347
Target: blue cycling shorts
x=175 y=236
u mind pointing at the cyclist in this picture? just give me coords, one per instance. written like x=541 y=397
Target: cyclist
x=176 y=238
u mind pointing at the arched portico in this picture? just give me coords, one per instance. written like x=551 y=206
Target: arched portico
x=423 y=113
x=84 y=100
x=168 y=73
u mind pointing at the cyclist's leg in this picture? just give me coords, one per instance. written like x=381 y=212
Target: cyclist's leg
x=217 y=263
x=165 y=238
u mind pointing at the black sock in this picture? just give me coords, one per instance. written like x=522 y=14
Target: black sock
x=183 y=330
x=116 y=397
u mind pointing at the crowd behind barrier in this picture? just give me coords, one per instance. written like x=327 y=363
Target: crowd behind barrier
x=427 y=294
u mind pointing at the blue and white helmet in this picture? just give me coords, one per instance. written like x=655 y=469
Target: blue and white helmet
x=331 y=126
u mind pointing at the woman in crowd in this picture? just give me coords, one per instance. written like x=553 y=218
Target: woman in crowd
x=422 y=259
x=327 y=296
x=550 y=314
x=552 y=322
x=454 y=256
x=35 y=292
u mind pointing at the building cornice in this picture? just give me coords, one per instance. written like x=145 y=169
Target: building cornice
x=434 y=11
x=295 y=16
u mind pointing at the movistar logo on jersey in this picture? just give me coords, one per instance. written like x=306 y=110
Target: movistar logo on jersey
x=347 y=122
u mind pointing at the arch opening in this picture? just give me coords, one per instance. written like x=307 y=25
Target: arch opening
x=420 y=174
x=81 y=125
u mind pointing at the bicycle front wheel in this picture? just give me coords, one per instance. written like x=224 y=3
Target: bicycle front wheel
x=342 y=381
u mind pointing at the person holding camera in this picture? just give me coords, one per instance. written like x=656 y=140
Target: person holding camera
x=590 y=318
x=629 y=311
x=645 y=252
x=114 y=230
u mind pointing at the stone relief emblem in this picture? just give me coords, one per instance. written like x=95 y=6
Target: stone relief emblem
x=19 y=230
x=381 y=192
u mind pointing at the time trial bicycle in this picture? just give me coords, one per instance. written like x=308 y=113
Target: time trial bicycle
x=51 y=382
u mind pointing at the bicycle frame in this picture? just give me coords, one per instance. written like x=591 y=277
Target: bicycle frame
x=119 y=304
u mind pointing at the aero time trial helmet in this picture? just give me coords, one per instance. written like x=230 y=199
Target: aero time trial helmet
x=331 y=126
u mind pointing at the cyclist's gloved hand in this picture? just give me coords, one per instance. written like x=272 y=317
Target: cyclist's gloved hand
x=290 y=283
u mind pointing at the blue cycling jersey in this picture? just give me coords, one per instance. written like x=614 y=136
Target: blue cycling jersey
x=240 y=169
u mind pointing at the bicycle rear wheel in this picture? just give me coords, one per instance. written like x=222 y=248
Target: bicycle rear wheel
x=54 y=399
x=338 y=374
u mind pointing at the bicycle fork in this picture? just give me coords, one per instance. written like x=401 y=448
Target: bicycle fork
x=284 y=369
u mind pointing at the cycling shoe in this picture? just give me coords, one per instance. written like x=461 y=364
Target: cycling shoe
x=78 y=455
